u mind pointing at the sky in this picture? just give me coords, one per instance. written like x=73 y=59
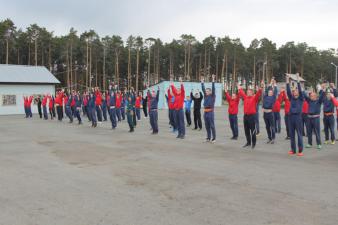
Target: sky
x=311 y=21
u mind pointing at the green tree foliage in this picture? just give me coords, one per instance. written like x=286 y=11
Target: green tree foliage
x=84 y=60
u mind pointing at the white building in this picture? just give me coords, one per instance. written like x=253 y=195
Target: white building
x=17 y=81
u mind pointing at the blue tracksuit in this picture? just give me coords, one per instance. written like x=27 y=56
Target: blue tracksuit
x=314 y=117
x=268 y=102
x=78 y=104
x=92 y=109
x=187 y=107
x=104 y=109
x=295 y=118
x=153 y=115
x=112 y=109
x=68 y=109
x=328 y=109
x=209 y=104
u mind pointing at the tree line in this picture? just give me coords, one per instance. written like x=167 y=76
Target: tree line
x=88 y=60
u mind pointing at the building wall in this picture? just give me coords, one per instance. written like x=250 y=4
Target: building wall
x=19 y=91
x=188 y=86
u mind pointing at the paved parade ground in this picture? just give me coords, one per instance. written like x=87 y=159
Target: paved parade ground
x=65 y=174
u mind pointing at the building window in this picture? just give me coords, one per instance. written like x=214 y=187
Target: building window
x=8 y=100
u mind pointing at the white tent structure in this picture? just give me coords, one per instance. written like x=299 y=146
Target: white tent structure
x=17 y=81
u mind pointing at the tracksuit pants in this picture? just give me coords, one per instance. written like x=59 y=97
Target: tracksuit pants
x=305 y=123
x=99 y=113
x=118 y=114
x=113 y=116
x=250 y=128
x=277 y=122
x=209 y=121
x=69 y=113
x=234 y=125
x=329 y=127
x=77 y=114
x=313 y=126
x=256 y=119
x=104 y=112
x=123 y=113
x=270 y=125
x=287 y=124
x=92 y=112
x=172 y=119
x=180 y=122
x=45 y=114
x=153 y=118
x=59 y=112
x=197 y=118
x=296 y=127
x=138 y=113
x=130 y=114
x=188 y=116
x=145 y=110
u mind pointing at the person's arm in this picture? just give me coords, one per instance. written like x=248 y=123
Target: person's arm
x=158 y=95
x=182 y=90
x=258 y=94
x=306 y=97
x=174 y=90
x=213 y=89
x=301 y=94
x=275 y=91
x=203 y=88
x=321 y=96
x=241 y=93
x=288 y=90
x=227 y=96
x=201 y=96
x=334 y=100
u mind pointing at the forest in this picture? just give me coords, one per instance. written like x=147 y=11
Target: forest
x=81 y=60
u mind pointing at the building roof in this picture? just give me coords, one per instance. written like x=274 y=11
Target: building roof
x=18 y=74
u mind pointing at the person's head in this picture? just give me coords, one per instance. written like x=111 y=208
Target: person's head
x=233 y=96
x=295 y=93
x=153 y=94
x=313 y=96
x=208 y=91
x=270 y=93
x=178 y=90
x=112 y=93
x=249 y=92
x=197 y=95
x=129 y=98
x=328 y=94
x=188 y=97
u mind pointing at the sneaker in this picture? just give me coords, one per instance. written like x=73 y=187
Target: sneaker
x=253 y=146
x=207 y=140
x=246 y=145
x=213 y=141
x=308 y=146
x=272 y=142
x=287 y=138
x=333 y=142
x=178 y=136
x=182 y=137
x=200 y=129
x=326 y=142
x=291 y=152
x=269 y=141
x=300 y=154
x=319 y=147
x=258 y=134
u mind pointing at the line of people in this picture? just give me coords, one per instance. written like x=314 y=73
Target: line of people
x=299 y=106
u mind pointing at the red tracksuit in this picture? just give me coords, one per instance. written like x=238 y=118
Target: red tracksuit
x=250 y=102
x=179 y=98
x=233 y=104
x=138 y=102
